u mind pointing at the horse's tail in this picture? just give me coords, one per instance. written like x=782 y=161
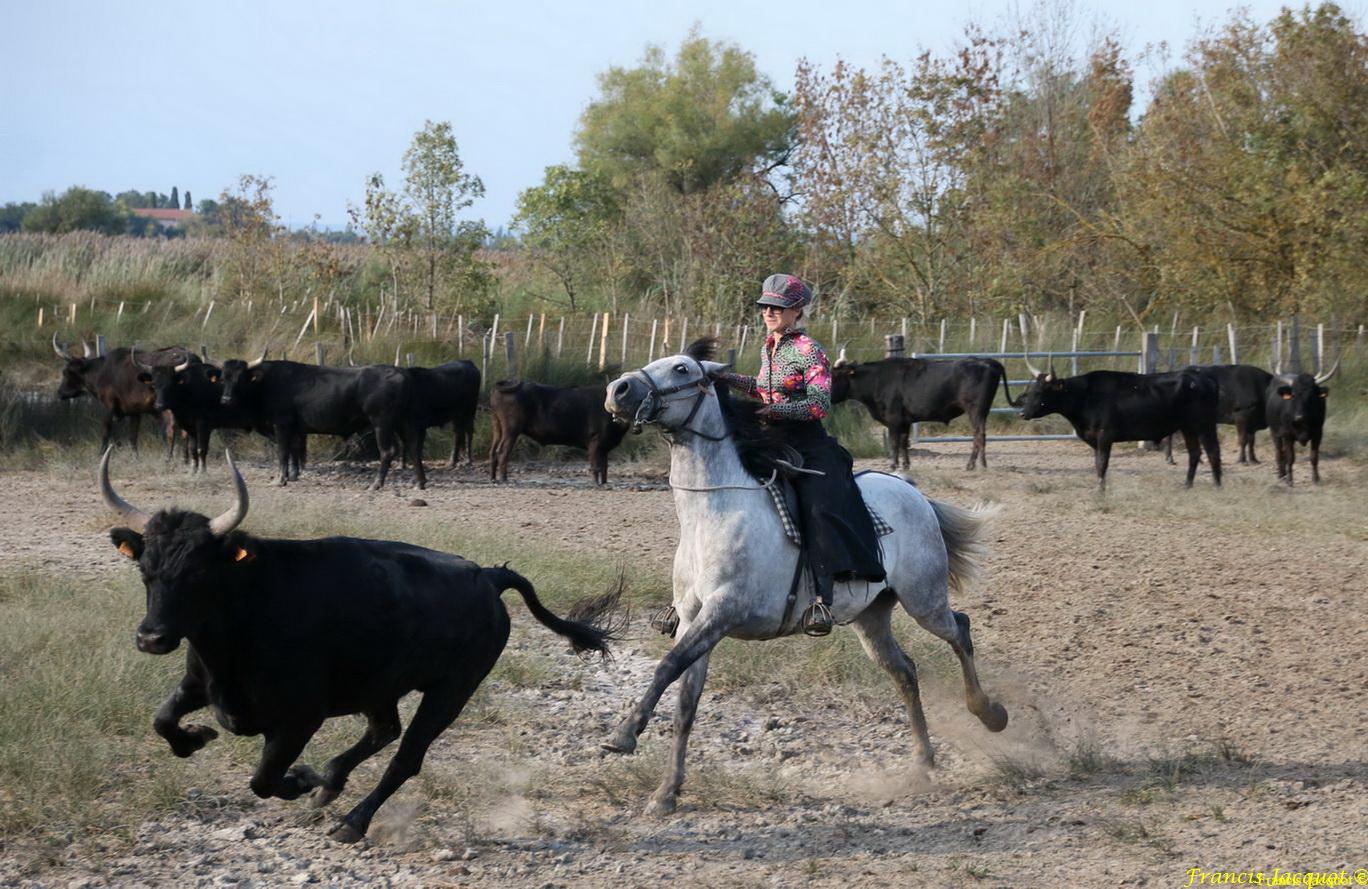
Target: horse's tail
x=964 y=532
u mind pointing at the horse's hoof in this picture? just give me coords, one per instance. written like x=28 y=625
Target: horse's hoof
x=994 y=718
x=660 y=807
x=343 y=832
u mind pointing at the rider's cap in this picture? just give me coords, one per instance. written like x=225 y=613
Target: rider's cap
x=784 y=291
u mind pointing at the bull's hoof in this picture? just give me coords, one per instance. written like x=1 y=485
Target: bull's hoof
x=623 y=742
x=994 y=718
x=193 y=738
x=662 y=805
x=322 y=796
x=343 y=832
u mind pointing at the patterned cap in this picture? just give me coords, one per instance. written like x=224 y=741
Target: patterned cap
x=784 y=291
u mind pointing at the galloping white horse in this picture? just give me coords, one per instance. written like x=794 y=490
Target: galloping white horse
x=734 y=565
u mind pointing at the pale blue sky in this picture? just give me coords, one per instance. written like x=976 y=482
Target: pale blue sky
x=117 y=95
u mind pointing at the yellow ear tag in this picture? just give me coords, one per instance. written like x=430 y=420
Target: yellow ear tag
x=1287 y=397
x=242 y=555
x=127 y=550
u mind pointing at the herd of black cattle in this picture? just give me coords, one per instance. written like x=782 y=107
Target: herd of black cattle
x=288 y=401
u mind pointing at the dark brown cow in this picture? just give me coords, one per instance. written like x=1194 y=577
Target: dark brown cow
x=551 y=416
x=112 y=380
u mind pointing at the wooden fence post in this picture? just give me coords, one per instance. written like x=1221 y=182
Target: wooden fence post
x=1150 y=354
x=745 y=332
x=493 y=334
x=1192 y=350
x=626 y=323
x=1006 y=329
x=650 y=353
x=99 y=344
x=973 y=324
x=1216 y=353
x=1073 y=359
x=893 y=345
x=318 y=353
x=1294 y=352
x=603 y=341
x=484 y=360
x=527 y=340
x=460 y=336
x=1277 y=347
x=541 y=333
x=593 y=334
x=1230 y=341
x=204 y=351
x=940 y=345
x=560 y=337
x=511 y=354
x=684 y=333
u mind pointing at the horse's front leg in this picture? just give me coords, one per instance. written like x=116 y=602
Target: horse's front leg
x=694 y=643
x=666 y=797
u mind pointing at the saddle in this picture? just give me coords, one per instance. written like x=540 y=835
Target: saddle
x=784 y=496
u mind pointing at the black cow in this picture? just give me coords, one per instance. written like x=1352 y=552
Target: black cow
x=305 y=399
x=1295 y=408
x=1243 y=389
x=447 y=393
x=1107 y=406
x=903 y=391
x=112 y=380
x=551 y=416
x=284 y=634
x=193 y=393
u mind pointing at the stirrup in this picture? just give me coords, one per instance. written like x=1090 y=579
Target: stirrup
x=666 y=621
x=817 y=620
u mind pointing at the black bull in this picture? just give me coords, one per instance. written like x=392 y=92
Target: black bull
x=1240 y=403
x=1106 y=406
x=1295 y=408
x=284 y=634
x=304 y=399
x=903 y=391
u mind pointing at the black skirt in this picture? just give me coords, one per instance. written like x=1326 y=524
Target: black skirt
x=837 y=532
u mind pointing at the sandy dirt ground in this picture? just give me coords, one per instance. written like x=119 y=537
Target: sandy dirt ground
x=1185 y=673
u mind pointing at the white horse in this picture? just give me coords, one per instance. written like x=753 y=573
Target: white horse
x=734 y=565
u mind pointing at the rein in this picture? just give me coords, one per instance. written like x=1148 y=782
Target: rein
x=765 y=486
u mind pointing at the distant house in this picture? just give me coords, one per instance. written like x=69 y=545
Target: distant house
x=166 y=218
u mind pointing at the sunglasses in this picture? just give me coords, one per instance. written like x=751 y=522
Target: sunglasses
x=766 y=309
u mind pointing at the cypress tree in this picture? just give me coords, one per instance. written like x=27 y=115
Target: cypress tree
x=175 y=198
x=189 y=205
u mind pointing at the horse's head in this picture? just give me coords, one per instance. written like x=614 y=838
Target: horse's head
x=667 y=392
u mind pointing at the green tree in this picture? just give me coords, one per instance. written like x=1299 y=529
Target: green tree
x=175 y=199
x=436 y=189
x=567 y=224
x=247 y=216
x=189 y=204
x=12 y=215
x=704 y=117
x=76 y=209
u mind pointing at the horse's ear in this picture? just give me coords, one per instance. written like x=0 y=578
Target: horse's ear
x=713 y=368
x=702 y=350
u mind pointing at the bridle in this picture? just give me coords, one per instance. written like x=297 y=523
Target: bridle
x=651 y=406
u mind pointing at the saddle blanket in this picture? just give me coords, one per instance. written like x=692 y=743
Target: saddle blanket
x=781 y=505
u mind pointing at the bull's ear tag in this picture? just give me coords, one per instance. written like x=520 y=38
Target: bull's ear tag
x=1287 y=396
x=242 y=555
x=127 y=550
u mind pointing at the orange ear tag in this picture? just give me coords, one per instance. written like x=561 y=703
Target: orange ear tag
x=127 y=550
x=242 y=555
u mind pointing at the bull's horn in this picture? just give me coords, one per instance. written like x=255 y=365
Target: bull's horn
x=1034 y=371
x=841 y=359
x=1325 y=377
x=136 y=518
x=180 y=368
x=1049 y=366
x=133 y=356
x=222 y=524
x=257 y=363
x=61 y=351
x=85 y=347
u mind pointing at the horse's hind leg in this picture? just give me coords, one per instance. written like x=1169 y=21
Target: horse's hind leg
x=953 y=627
x=875 y=629
x=666 y=797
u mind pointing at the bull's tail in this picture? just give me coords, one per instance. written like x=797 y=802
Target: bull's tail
x=590 y=625
x=964 y=532
x=1006 y=390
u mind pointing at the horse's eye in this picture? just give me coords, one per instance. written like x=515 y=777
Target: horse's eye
x=681 y=369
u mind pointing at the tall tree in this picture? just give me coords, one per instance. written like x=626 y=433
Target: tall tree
x=189 y=204
x=437 y=188
x=74 y=210
x=703 y=117
x=567 y=224
x=175 y=198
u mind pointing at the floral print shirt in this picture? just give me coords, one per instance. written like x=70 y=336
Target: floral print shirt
x=794 y=378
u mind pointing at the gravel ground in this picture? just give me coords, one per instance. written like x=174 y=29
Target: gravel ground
x=1182 y=670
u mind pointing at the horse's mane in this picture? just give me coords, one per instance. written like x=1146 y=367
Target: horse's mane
x=757 y=444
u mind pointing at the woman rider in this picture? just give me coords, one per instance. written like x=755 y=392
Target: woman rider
x=795 y=384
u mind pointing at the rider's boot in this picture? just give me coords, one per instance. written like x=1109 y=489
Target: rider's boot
x=817 y=620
